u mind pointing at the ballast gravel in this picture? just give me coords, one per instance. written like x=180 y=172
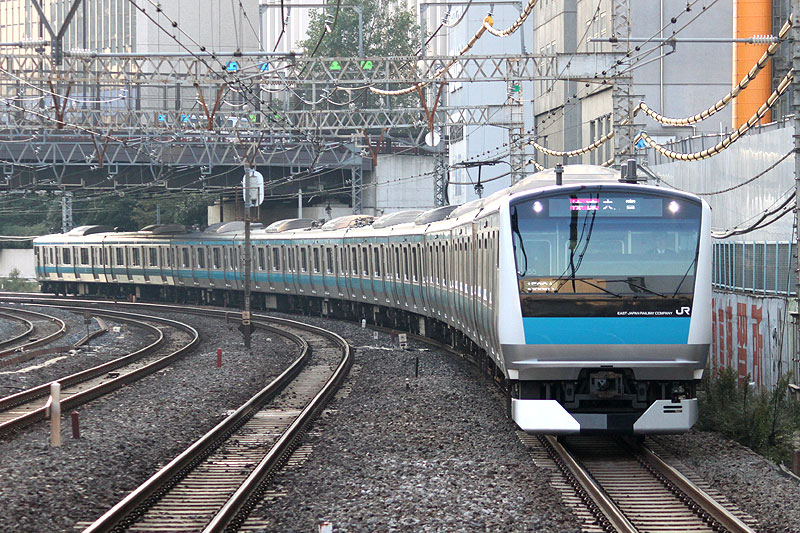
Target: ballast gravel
x=127 y=436
x=119 y=340
x=395 y=451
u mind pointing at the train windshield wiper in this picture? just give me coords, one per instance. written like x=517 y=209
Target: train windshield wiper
x=642 y=287
x=595 y=285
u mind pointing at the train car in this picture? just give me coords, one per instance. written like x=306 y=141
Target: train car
x=589 y=299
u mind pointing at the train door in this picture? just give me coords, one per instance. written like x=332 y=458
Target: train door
x=375 y=271
x=386 y=263
x=291 y=270
x=277 y=263
x=366 y=271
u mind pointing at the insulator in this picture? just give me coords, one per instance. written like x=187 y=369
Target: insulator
x=763 y=39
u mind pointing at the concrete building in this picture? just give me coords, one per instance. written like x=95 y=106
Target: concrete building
x=117 y=26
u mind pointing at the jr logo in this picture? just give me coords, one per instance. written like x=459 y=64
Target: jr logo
x=684 y=311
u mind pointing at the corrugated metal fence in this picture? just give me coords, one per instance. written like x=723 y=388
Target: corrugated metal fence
x=752 y=329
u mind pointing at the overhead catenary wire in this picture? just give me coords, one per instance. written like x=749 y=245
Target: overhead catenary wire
x=721 y=104
x=783 y=86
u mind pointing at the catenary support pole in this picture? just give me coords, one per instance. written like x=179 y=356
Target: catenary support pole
x=247 y=258
x=796 y=109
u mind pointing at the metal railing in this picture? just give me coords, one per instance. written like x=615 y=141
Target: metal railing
x=757 y=267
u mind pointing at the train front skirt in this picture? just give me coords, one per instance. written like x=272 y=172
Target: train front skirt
x=549 y=416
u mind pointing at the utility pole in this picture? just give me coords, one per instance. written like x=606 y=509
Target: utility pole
x=796 y=108
x=66 y=212
x=247 y=259
x=622 y=89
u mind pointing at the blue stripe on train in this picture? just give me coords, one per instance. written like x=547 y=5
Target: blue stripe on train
x=606 y=330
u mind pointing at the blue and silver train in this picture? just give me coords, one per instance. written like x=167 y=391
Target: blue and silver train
x=589 y=300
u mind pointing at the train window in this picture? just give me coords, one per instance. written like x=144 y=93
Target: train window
x=185 y=257
x=201 y=258
x=354 y=257
x=397 y=263
x=303 y=259
x=364 y=261
x=376 y=261
x=329 y=260
x=216 y=260
x=84 y=256
x=153 y=257
x=276 y=258
x=65 y=256
x=290 y=256
x=414 y=264
x=136 y=257
x=315 y=259
x=405 y=263
x=261 y=259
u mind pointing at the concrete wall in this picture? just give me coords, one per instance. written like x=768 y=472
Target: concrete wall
x=22 y=260
x=214 y=24
x=753 y=335
x=747 y=157
x=391 y=192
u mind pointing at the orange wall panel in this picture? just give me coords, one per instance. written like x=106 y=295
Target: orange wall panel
x=751 y=17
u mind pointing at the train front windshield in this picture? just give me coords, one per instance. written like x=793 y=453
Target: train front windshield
x=607 y=244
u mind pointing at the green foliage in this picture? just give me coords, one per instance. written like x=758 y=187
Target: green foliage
x=15 y=283
x=763 y=421
x=41 y=215
x=389 y=30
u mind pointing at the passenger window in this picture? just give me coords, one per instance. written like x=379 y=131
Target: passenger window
x=261 y=259
x=377 y=261
x=185 y=257
x=201 y=258
x=405 y=263
x=316 y=259
x=67 y=258
x=290 y=252
x=153 y=257
x=342 y=260
x=135 y=261
x=354 y=257
x=303 y=260
x=397 y=263
x=84 y=256
x=329 y=260
x=276 y=258
x=365 y=261
x=215 y=255
x=415 y=264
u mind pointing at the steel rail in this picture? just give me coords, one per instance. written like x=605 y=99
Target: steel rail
x=77 y=399
x=697 y=495
x=124 y=513
x=15 y=318
x=233 y=513
x=590 y=487
x=62 y=329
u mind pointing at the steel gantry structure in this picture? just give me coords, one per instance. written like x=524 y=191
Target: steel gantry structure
x=117 y=110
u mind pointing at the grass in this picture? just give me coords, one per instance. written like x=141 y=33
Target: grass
x=15 y=283
x=764 y=421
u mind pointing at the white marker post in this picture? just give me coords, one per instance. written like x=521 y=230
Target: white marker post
x=53 y=411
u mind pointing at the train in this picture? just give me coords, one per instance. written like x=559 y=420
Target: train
x=586 y=296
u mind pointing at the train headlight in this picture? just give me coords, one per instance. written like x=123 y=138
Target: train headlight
x=537 y=207
x=674 y=207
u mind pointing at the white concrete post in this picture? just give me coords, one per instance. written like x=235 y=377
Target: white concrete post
x=53 y=410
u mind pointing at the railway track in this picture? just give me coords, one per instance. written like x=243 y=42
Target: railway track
x=33 y=321
x=215 y=483
x=5 y=314
x=617 y=486
x=172 y=339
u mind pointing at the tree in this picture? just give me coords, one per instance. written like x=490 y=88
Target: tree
x=389 y=30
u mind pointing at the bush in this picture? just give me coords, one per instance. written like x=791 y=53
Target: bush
x=15 y=283
x=764 y=421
